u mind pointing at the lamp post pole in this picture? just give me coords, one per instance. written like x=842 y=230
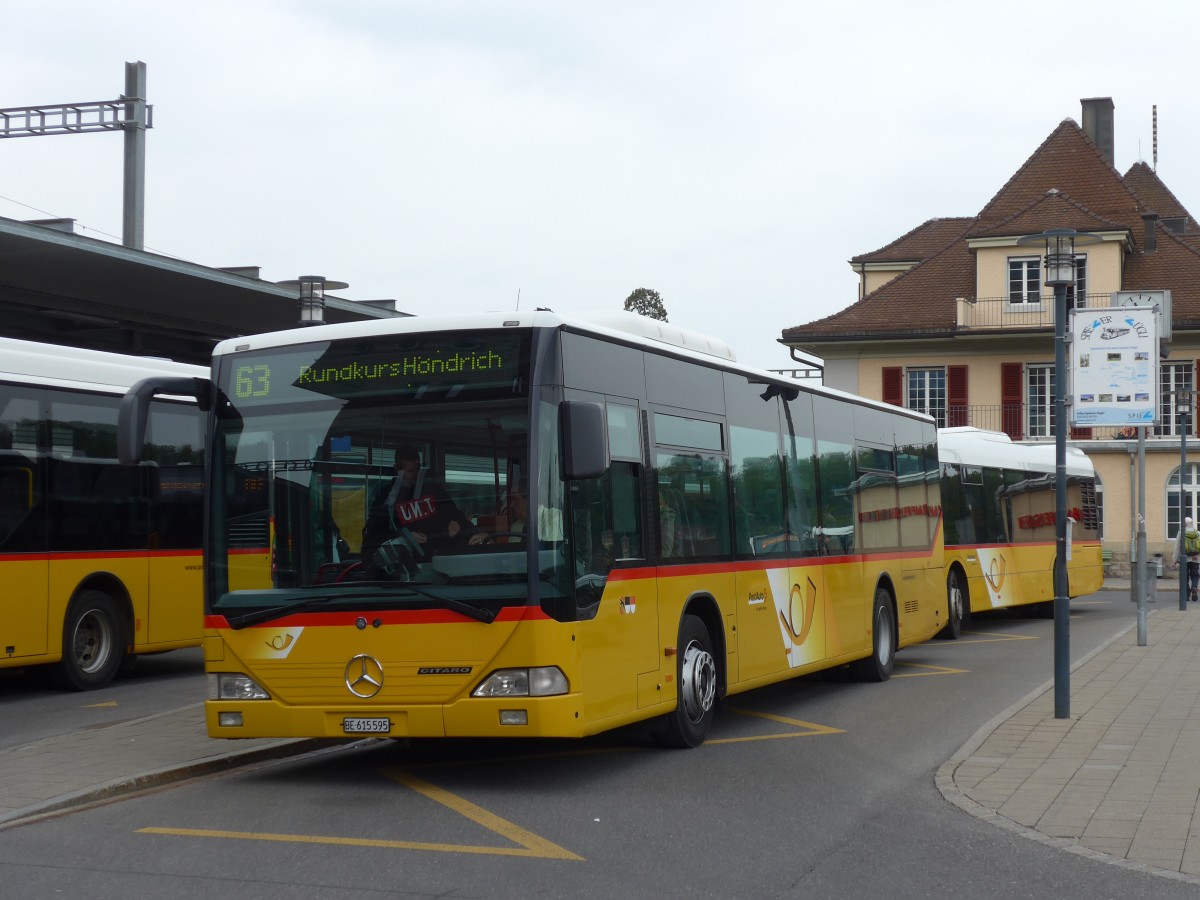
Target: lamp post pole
x=1183 y=403
x=1062 y=602
x=1060 y=274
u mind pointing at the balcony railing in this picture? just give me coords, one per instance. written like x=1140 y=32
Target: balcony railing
x=1001 y=313
x=1014 y=420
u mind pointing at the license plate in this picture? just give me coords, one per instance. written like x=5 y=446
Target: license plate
x=366 y=726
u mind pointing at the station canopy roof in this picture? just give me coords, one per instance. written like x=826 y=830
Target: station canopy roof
x=64 y=288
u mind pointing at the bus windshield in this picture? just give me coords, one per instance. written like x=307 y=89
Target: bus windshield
x=386 y=473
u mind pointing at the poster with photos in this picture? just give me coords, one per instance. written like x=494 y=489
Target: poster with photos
x=1114 y=366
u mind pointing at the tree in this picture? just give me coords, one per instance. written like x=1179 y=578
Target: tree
x=646 y=302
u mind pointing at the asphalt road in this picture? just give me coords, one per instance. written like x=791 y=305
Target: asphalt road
x=816 y=788
x=31 y=710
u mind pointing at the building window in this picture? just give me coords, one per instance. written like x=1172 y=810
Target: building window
x=1191 y=499
x=927 y=393
x=1079 y=288
x=1039 y=400
x=1172 y=377
x=1025 y=279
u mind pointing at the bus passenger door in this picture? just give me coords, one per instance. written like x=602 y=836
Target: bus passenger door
x=619 y=647
x=24 y=563
x=617 y=593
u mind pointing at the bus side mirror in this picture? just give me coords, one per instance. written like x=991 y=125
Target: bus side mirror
x=585 y=451
x=135 y=410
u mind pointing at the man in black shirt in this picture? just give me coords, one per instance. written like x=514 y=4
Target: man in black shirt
x=416 y=506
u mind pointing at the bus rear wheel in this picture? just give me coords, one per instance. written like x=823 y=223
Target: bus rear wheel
x=957 y=604
x=696 y=677
x=878 y=666
x=92 y=644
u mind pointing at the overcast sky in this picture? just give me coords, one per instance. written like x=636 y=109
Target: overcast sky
x=462 y=154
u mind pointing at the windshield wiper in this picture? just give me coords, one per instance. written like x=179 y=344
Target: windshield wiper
x=258 y=616
x=276 y=612
x=481 y=613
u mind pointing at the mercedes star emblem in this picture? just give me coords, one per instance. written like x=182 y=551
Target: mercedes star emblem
x=364 y=676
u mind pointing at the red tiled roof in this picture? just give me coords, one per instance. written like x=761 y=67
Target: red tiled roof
x=925 y=293
x=1066 y=183
x=1053 y=209
x=1175 y=264
x=922 y=242
x=1069 y=161
x=1155 y=195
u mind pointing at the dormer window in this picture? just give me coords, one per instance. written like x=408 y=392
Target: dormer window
x=1025 y=279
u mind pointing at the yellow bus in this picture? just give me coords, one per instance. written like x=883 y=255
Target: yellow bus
x=98 y=562
x=529 y=524
x=999 y=507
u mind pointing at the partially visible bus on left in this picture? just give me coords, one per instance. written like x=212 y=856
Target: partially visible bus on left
x=98 y=562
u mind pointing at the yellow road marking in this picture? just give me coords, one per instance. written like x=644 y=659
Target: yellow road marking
x=101 y=705
x=933 y=670
x=347 y=842
x=809 y=729
x=529 y=844
x=982 y=637
x=534 y=845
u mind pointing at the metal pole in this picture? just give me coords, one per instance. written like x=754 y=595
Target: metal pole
x=134 y=205
x=1183 y=400
x=1062 y=602
x=1140 y=570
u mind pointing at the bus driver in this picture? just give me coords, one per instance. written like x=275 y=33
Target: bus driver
x=416 y=505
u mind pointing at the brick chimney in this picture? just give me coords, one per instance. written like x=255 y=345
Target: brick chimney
x=1098 y=124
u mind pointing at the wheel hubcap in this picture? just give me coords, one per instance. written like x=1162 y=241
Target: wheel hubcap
x=883 y=634
x=699 y=677
x=93 y=642
x=956 y=604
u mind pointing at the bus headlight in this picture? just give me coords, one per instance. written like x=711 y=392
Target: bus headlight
x=234 y=686
x=542 y=681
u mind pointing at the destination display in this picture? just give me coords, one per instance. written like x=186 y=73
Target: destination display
x=490 y=364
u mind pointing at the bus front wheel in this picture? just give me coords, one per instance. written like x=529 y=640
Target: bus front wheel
x=696 y=677
x=878 y=666
x=92 y=644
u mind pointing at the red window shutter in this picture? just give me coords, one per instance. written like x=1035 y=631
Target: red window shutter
x=956 y=396
x=893 y=385
x=1012 y=410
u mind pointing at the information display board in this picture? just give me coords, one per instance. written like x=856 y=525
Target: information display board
x=1114 y=366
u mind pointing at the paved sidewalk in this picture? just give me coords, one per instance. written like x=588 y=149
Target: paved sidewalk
x=85 y=766
x=1120 y=779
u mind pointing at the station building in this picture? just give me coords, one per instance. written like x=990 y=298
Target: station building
x=953 y=319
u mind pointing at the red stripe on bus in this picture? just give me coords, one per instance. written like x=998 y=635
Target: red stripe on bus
x=387 y=617
x=99 y=554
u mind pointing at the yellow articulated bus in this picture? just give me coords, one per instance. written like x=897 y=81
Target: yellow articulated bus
x=533 y=525
x=98 y=562
x=999 y=508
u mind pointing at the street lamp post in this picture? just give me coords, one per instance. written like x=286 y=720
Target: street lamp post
x=312 y=296
x=1183 y=406
x=1060 y=274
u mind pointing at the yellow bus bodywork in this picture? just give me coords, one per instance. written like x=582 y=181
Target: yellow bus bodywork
x=160 y=591
x=777 y=622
